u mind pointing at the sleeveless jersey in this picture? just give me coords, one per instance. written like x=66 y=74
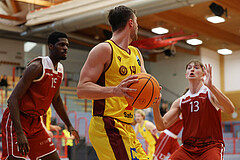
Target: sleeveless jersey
x=122 y=65
x=146 y=134
x=176 y=127
x=201 y=119
x=39 y=95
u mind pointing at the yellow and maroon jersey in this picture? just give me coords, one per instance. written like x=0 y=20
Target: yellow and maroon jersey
x=39 y=95
x=123 y=64
x=201 y=119
x=146 y=134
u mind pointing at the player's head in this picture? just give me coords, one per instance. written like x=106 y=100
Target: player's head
x=58 y=45
x=120 y=16
x=194 y=69
x=139 y=115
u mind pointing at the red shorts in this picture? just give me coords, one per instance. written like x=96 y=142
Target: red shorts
x=210 y=152
x=165 y=144
x=39 y=141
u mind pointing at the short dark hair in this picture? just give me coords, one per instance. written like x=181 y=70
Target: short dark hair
x=54 y=37
x=119 y=16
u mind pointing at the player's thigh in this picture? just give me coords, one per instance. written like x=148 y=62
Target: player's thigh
x=52 y=156
x=100 y=140
x=181 y=154
x=14 y=158
x=114 y=140
x=214 y=153
x=41 y=145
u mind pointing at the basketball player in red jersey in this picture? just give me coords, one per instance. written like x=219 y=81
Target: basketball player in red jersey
x=23 y=133
x=201 y=110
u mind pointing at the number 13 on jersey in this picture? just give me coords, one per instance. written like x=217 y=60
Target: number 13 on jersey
x=194 y=106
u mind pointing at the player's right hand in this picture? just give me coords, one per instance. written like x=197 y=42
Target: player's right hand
x=122 y=88
x=23 y=146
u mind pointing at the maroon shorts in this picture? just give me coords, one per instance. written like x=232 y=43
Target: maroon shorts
x=210 y=152
x=39 y=141
x=165 y=144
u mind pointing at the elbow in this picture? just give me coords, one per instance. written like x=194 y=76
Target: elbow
x=9 y=101
x=79 y=94
x=160 y=127
x=230 y=110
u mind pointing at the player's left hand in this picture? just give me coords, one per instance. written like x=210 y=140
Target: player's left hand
x=208 y=72
x=74 y=133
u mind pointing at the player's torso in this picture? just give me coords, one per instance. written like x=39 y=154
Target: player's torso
x=122 y=65
x=146 y=134
x=201 y=119
x=39 y=96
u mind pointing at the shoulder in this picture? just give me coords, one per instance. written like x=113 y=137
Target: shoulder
x=101 y=53
x=35 y=65
x=102 y=47
x=177 y=102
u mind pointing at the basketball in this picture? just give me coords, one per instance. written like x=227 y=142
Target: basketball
x=148 y=91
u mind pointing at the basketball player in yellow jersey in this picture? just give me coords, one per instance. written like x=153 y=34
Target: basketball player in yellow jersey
x=104 y=78
x=147 y=130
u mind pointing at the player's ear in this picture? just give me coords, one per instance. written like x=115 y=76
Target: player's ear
x=50 y=46
x=130 y=21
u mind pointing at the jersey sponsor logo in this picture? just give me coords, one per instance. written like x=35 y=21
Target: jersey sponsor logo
x=138 y=60
x=203 y=97
x=123 y=70
x=186 y=101
x=128 y=115
x=46 y=141
x=119 y=58
x=49 y=74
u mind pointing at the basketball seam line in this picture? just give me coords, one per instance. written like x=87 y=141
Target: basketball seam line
x=151 y=96
x=141 y=91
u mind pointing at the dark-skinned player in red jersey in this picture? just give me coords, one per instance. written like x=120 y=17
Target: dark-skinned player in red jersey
x=23 y=133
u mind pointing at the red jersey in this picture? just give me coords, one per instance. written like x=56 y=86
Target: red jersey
x=176 y=127
x=39 y=95
x=201 y=119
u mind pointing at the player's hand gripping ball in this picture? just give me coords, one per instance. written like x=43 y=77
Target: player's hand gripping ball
x=147 y=94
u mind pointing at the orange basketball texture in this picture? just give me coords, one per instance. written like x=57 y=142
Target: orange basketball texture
x=148 y=91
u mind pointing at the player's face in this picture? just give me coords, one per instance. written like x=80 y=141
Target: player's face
x=60 y=48
x=134 y=32
x=194 y=71
x=138 y=118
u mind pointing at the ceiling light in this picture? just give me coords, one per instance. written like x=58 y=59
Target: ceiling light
x=160 y=30
x=194 y=41
x=28 y=46
x=224 y=51
x=215 y=19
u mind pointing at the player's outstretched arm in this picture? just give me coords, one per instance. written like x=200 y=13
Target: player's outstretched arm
x=222 y=101
x=169 y=118
x=59 y=107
